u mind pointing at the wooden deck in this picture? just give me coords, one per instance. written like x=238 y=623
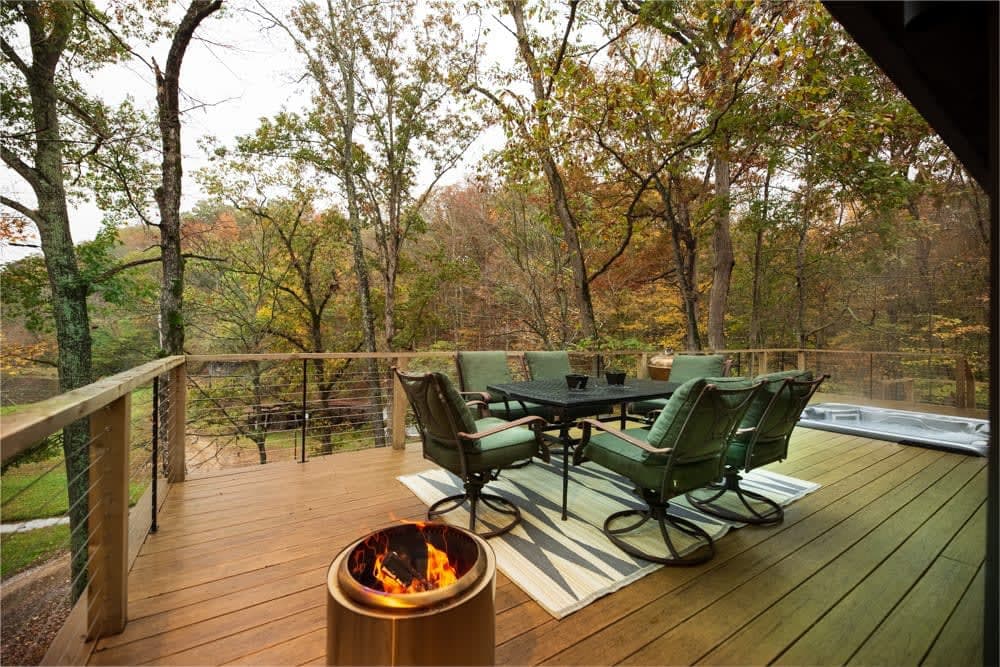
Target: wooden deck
x=882 y=565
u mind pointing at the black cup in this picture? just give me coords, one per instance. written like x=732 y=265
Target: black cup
x=576 y=381
x=615 y=377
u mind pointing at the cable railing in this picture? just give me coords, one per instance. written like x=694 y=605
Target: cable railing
x=96 y=508
x=148 y=428
x=246 y=410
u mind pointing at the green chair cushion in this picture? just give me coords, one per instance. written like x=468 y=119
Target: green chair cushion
x=763 y=453
x=489 y=453
x=688 y=366
x=671 y=420
x=548 y=365
x=479 y=369
x=626 y=459
x=646 y=469
x=518 y=409
x=647 y=406
x=773 y=383
x=468 y=424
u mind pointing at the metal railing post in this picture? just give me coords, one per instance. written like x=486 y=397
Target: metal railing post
x=156 y=448
x=871 y=375
x=305 y=413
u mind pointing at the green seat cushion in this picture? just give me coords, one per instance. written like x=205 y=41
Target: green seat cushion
x=647 y=406
x=479 y=369
x=626 y=459
x=518 y=409
x=489 y=453
x=689 y=366
x=548 y=365
x=645 y=469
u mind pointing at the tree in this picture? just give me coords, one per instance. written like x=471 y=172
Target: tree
x=724 y=41
x=37 y=97
x=168 y=194
x=533 y=127
x=384 y=81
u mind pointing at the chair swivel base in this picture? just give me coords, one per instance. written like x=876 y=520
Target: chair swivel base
x=704 y=552
x=774 y=514
x=494 y=502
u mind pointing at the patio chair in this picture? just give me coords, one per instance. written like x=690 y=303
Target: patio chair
x=762 y=438
x=684 y=368
x=554 y=365
x=547 y=365
x=476 y=370
x=683 y=450
x=475 y=450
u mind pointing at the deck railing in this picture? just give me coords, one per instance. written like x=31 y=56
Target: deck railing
x=152 y=425
x=132 y=454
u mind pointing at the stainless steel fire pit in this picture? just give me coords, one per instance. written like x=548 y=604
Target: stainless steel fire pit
x=412 y=594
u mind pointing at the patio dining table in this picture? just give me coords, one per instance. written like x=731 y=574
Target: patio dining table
x=565 y=402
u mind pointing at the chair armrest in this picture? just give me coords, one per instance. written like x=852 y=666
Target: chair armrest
x=621 y=435
x=476 y=396
x=523 y=421
x=482 y=407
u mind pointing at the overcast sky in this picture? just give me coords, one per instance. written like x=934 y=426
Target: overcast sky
x=233 y=74
x=239 y=72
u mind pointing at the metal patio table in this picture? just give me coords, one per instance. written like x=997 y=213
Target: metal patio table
x=600 y=396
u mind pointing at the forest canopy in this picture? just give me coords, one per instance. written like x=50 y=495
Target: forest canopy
x=692 y=174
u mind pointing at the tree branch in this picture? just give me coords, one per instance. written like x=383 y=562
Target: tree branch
x=562 y=47
x=25 y=171
x=23 y=210
x=115 y=270
x=12 y=55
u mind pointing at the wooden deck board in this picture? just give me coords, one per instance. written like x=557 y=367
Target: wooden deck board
x=882 y=564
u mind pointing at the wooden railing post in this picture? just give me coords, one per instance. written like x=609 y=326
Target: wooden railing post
x=801 y=362
x=399 y=405
x=108 y=523
x=965 y=384
x=643 y=371
x=763 y=363
x=177 y=423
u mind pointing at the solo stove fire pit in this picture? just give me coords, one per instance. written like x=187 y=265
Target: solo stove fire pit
x=412 y=594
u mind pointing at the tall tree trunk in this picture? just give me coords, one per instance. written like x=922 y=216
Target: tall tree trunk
x=755 y=333
x=685 y=246
x=800 y=262
x=800 y=285
x=560 y=200
x=49 y=28
x=581 y=284
x=168 y=195
x=348 y=121
x=390 y=305
x=722 y=245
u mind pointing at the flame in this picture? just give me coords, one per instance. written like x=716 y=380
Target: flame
x=440 y=571
x=396 y=574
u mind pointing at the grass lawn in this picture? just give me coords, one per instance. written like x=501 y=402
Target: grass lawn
x=19 y=551
x=47 y=496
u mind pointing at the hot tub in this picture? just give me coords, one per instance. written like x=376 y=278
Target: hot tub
x=963 y=434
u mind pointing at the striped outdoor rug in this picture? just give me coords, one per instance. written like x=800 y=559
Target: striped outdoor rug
x=565 y=565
